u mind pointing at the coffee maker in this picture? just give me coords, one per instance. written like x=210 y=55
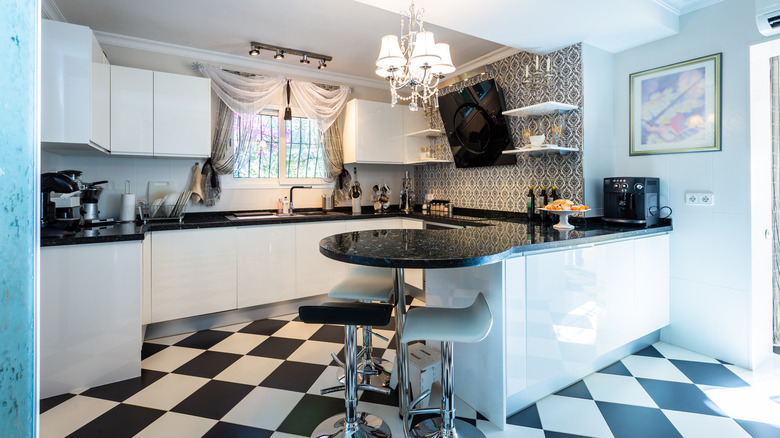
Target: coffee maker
x=631 y=200
x=51 y=225
x=90 y=194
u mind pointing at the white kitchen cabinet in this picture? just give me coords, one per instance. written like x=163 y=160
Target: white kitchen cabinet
x=146 y=279
x=316 y=274
x=386 y=223
x=651 y=284
x=193 y=272
x=90 y=307
x=373 y=133
x=75 y=89
x=132 y=111
x=266 y=264
x=182 y=115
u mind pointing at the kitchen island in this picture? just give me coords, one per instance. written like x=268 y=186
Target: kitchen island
x=562 y=308
x=271 y=263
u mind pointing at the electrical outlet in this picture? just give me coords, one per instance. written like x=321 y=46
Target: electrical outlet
x=699 y=198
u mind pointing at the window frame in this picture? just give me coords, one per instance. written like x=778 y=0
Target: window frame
x=282 y=180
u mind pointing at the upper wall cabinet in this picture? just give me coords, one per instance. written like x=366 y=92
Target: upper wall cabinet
x=373 y=133
x=160 y=114
x=132 y=111
x=75 y=89
x=182 y=115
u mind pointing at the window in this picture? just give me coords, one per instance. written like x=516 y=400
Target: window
x=299 y=144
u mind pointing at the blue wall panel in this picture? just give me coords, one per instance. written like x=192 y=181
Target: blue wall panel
x=18 y=175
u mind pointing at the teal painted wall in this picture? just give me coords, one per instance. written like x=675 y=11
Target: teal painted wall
x=18 y=175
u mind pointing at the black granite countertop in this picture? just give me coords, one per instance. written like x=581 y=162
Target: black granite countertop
x=492 y=241
x=492 y=235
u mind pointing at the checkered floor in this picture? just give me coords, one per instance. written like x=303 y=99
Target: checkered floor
x=262 y=379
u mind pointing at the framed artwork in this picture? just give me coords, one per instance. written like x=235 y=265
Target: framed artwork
x=676 y=108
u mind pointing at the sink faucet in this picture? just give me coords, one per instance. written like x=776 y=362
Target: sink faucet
x=291 y=195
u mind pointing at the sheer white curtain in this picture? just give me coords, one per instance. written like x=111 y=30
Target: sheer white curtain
x=244 y=94
x=318 y=103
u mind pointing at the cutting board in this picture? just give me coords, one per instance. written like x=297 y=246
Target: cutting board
x=159 y=189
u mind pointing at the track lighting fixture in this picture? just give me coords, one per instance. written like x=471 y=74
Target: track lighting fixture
x=279 y=53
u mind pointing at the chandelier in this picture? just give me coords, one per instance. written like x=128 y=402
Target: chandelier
x=415 y=61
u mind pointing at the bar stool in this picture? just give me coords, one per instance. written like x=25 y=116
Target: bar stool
x=352 y=424
x=367 y=284
x=470 y=324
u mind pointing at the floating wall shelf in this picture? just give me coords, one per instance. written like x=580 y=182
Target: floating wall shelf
x=541 y=109
x=546 y=149
x=426 y=133
x=418 y=162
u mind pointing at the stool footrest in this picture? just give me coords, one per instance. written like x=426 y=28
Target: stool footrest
x=332 y=389
x=384 y=391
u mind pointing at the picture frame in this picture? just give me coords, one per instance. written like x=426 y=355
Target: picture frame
x=676 y=108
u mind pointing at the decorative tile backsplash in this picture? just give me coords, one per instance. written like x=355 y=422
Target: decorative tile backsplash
x=506 y=187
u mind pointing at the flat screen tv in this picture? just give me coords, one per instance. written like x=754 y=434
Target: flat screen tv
x=475 y=126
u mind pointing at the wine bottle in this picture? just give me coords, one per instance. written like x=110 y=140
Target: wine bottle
x=554 y=197
x=544 y=215
x=531 y=205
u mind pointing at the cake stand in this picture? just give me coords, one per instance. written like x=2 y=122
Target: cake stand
x=563 y=224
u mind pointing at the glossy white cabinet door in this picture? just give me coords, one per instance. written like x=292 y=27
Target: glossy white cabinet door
x=75 y=89
x=388 y=223
x=652 y=284
x=182 y=115
x=515 y=312
x=146 y=279
x=132 y=111
x=90 y=307
x=615 y=295
x=373 y=133
x=315 y=273
x=100 y=120
x=266 y=264
x=193 y=272
x=564 y=311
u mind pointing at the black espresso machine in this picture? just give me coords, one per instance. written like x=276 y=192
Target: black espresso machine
x=631 y=200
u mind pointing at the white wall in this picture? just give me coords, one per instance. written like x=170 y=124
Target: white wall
x=598 y=125
x=140 y=170
x=711 y=294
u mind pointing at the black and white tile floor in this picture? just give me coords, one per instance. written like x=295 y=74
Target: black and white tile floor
x=262 y=379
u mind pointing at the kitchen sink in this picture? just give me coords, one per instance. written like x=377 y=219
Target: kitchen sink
x=261 y=215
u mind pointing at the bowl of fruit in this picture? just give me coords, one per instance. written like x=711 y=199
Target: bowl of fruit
x=563 y=208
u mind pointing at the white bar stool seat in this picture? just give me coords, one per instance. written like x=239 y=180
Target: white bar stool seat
x=468 y=325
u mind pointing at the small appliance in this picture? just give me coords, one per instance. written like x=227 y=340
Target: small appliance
x=90 y=194
x=50 y=225
x=631 y=200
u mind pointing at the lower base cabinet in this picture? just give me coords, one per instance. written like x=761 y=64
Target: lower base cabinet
x=193 y=272
x=315 y=273
x=90 y=315
x=266 y=264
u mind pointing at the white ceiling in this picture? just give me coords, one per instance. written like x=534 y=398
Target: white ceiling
x=349 y=31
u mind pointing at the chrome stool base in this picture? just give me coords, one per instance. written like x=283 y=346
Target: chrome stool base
x=432 y=428
x=368 y=426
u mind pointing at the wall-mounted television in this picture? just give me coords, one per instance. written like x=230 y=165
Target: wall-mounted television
x=475 y=126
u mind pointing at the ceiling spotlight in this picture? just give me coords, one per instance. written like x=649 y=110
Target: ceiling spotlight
x=322 y=64
x=305 y=59
x=279 y=54
x=254 y=52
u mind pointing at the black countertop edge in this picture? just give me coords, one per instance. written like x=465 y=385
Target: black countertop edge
x=431 y=249
x=136 y=231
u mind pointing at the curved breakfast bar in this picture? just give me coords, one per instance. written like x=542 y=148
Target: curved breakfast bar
x=503 y=260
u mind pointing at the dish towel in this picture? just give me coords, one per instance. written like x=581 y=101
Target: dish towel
x=211 y=189
x=197 y=185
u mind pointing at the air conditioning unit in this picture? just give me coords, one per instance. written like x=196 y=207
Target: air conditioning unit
x=768 y=17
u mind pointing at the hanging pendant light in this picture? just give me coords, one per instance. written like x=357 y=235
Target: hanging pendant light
x=414 y=61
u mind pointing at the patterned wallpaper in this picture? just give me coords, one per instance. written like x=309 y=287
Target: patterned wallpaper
x=506 y=187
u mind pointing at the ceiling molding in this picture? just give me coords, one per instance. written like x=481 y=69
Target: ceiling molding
x=51 y=11
x=488 y=58
x=274 y=67
x=682 y=7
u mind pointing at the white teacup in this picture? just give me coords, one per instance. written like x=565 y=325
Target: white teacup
x=537 y=140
